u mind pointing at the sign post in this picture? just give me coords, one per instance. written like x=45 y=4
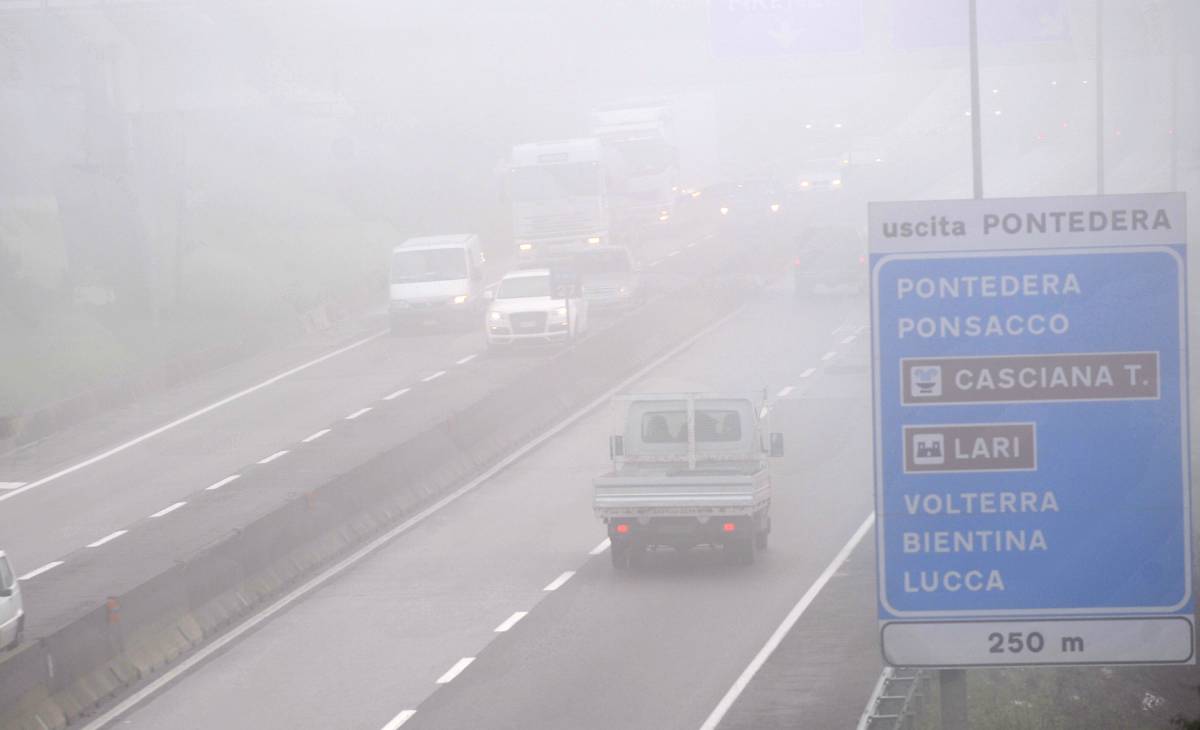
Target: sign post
x=1031 y=431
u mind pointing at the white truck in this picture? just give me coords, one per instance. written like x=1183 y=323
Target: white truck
x=688 y=469
x=642 y=160
x=559 y=197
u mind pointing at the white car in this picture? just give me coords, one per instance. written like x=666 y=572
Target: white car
x=522 y=310
x=12 y=613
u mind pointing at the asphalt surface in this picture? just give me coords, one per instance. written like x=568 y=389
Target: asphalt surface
x=117 y=499
x=654 y=648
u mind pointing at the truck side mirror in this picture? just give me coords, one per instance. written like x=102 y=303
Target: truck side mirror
x=616 y=446
x=489 y=292
x=776 y=445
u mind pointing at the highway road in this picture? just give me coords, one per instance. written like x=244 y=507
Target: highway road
x=501 y=609
x=103 y=506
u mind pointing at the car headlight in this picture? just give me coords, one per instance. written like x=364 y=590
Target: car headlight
x=526 y=246
x=836 y=183
x=805 y=183
x=560 y=313
x=460 y=299
x=593 y=240
x=724 y=210
x=496 y=316
x=623 y=291
x=774 y=207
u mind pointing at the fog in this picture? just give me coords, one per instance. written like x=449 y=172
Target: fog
x=199 y=198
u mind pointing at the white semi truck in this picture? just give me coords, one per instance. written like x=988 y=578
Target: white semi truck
x=642 y=159
x=688 y=469
x=559 y=197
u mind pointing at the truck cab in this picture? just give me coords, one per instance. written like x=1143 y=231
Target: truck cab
x=688 y=469
x=559 y=197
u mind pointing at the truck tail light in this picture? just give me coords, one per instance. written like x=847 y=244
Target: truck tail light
x=622 y=528
x=728 y=527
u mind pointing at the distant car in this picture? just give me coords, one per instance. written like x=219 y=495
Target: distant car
x=609 y=278
x=826 y=175
x=12 y=612
x=746 y=203
x=830 y=259
x=523 y=310
x=436 y=280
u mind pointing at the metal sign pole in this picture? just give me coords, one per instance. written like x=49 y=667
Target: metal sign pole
x=976 y=142
x=1100 y=97
x=952 y=689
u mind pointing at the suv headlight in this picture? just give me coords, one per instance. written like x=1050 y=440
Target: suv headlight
x=559 y=314
x=460 y=299
x=494 y=316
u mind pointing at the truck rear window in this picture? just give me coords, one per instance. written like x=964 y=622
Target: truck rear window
x=670 y=427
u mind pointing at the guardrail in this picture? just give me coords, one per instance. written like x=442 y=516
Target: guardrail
x=898 y=697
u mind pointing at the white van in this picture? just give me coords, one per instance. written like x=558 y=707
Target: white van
x=12 y=613
x=436 y=279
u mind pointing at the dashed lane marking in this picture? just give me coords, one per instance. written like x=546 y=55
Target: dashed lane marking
x=397 y=394
x=455 y=670
x=511 y=621
x=786 y=392
x=829 y=355
x=398 y=721
x=223 y=482
x=273 y=457
x=107 y=538
x=558 y=582
x=808 y=372
x=315 y=436
x=167 y=510
x=465 y=360
x=848 y=340
x=38 y=571
x=601 y=547
x=435 y=376
x=358 y=413
x=191 y=416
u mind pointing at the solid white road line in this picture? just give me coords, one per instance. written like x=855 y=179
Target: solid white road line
x=191 y=416
x=435 y=376
x=398 y=721
x=601 y=547
x=315 y=436
x=223 y=482
x=5 y=486
x=358 y=413
x=272 y=457
x=167 y=510
x=354 y=558
x=397 y=394
x=718 y=713
x=38 y=571
x=455 y=670
x=785 y=392
x=107 y=538
x=848 y=340
x=808 y=372
x=557 y=583
x=511 y=621
x=829 y=355
x=464 y=360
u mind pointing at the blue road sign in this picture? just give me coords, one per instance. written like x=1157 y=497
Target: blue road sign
x=1031 y=431
x=791 y=27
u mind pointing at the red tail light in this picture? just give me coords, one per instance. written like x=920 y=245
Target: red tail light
x=622 y=528
x=862 y=259
x=728 y=527
x=796 y=261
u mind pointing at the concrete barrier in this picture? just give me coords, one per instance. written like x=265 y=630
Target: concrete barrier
x=131 y=638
